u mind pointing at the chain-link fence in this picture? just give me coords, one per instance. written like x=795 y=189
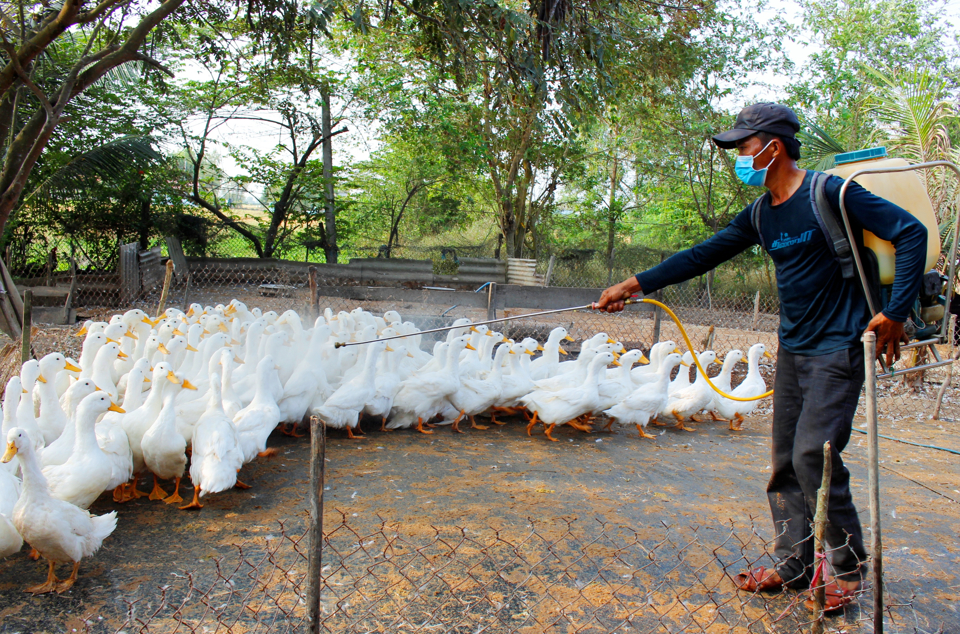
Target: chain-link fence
x=732 y=309
x=566 y=575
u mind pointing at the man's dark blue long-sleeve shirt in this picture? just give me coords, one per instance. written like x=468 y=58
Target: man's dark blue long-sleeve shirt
x=820 y=312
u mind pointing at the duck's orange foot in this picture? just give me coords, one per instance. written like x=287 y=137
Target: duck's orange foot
x=268 y=452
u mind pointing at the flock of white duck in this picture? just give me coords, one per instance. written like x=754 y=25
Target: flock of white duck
x=213 y=383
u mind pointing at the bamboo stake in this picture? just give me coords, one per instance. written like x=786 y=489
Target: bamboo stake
x=166 y=288
x=318 y=448
x=949 y=378
x=873 y=476
x=819 y=530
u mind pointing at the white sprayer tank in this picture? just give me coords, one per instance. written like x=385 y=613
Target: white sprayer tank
x=905 y=189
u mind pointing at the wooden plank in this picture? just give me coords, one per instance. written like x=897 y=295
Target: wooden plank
x=129 y=273
x=175 y=250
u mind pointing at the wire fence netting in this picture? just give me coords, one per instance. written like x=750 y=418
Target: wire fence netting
x=565 y=575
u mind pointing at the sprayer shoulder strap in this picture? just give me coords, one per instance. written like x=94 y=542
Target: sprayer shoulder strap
x=829 y=224
x=827 y=219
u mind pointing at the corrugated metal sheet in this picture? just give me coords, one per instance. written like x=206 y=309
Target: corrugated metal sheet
x=151 y=270
x=129 y=273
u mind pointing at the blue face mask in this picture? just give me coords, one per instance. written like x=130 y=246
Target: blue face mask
x=750 y=176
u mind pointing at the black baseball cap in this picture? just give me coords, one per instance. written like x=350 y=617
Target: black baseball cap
x=773 y=118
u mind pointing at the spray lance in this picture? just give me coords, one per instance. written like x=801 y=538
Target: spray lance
x=590 y=306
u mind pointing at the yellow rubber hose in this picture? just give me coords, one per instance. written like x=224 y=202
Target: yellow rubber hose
x=686 y=339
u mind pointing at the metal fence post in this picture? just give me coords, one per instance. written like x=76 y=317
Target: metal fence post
x=318 y=446
x=873 y=475
x=25 y=351
x=819 y=530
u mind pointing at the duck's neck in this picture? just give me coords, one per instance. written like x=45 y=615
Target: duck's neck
x=48 y=393
x=593 y=373
x=34 y=483
x=154 y=399
x=86 y=435
x=753 y=367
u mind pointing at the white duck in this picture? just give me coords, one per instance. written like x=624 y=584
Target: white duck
x=52 y=419
x=563 y=406
x=722 y=380
x=423 y=396
x=102 y=373
x=306 y=381
x=255 y=421
x=687 y=402
x=618 y=383
x=13 y=398
x=644 y=403
x=753 y=385
x=58 y=530
x=387 y=385
x=164 y=450
x=87 y=472
x=547 y=365
x=216 y=456
x=60 y=449
x=345 y=406
x=682 y=380
x=10 y=540
x=477 y=394
x=136 y=423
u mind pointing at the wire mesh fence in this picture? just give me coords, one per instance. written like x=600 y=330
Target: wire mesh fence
x=719 y=320
x=564 y=575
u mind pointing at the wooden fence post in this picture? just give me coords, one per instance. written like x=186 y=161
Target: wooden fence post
x=756 y=311
x=819 y=531
x=166 y=288
x=25 y=351
x=873 y=476
x=314 y=297
x=546 y=280
x=492 y=301
x=315 y=554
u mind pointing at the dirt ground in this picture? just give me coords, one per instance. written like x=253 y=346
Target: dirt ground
x=502 y=479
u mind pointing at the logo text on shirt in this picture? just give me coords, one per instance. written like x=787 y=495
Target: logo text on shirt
x=786 y=241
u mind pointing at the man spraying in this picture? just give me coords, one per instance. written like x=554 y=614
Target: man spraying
x=820 y=365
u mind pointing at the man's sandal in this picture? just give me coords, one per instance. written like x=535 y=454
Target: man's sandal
x=835 y=598
x=760 y=579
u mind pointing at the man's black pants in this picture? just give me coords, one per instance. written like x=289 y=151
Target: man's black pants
x=814 y=401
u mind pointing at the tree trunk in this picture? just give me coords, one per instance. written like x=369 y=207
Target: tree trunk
x=330 y=248
x=611 y=208
x=145 y=224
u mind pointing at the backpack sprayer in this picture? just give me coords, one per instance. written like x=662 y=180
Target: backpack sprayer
x=897 y=181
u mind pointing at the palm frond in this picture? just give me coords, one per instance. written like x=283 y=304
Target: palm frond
x=820 y=147
x=110 y=161
x=915 y=104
